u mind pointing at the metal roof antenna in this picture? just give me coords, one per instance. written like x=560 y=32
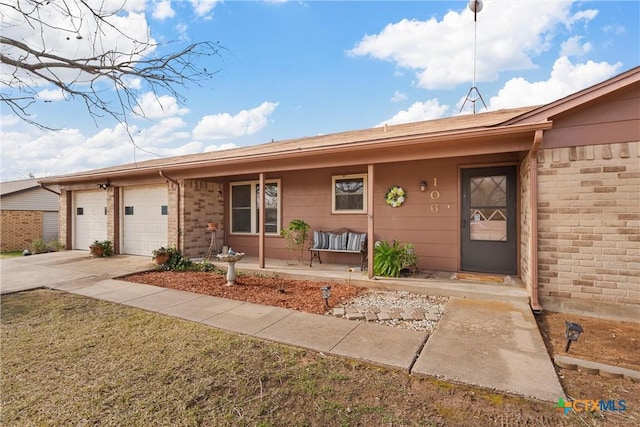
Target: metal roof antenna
x=474 y=94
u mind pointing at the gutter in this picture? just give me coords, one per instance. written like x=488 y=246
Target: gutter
x=48 y=189
x=177 y=207
x=533 y=202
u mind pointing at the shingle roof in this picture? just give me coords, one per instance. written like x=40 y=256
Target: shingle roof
x=11 y=187
x=430 y=127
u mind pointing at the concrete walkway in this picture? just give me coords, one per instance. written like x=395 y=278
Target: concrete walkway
x=488 y=343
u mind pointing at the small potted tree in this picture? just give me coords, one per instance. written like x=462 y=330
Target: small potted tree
x=296 y=234
x=101 y=248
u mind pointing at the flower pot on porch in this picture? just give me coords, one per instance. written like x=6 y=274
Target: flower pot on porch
x=212 y=226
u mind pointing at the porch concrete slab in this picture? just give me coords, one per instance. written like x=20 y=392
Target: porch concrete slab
x=201 y=308
x=158 y=301
x=248 y=318
x=491 y=344
x=312 y=331
x=383 y=345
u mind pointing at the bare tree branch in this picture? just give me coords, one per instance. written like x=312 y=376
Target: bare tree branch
x=106 y=61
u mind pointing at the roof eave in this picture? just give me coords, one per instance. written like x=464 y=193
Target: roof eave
x=297 y=153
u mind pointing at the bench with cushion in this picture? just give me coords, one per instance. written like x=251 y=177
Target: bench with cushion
x=342 y=240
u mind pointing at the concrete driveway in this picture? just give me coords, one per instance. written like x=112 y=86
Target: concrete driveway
x=47 y=270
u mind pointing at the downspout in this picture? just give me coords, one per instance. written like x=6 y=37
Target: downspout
x=533 y=196
x=177 y=206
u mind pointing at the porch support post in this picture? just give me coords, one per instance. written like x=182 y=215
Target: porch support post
x=370 y=225
x=533 y=194
x=261 y=218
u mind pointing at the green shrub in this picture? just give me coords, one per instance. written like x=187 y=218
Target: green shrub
x=390 y=259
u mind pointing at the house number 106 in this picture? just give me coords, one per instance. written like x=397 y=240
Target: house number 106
x=435 y=195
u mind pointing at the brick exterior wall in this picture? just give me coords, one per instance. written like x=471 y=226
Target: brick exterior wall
x=201 y=202
x=19 y=229
x=112 y=193
x=63 y=214
x=589 y=229
x=173 y=231
x=525 y=224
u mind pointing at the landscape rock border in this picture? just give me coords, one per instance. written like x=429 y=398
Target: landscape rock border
x=595 y=368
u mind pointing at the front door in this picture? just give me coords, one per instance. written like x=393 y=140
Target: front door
x=489 y=220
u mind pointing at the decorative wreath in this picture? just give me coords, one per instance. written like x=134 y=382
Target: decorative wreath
x=395 y=196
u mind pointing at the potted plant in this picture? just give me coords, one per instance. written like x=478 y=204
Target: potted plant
x=296 y=234
x=390 y=259
x=101 y=248
x=162 y=255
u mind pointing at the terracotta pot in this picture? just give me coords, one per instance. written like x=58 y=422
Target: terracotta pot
x=161 y=259
x=212 y=226
x=97 y=251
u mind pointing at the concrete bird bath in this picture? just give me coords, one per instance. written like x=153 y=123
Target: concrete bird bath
x=231 y=259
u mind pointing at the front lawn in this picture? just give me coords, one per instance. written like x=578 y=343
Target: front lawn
x=71 y=360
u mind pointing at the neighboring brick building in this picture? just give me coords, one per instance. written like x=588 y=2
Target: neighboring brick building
x=28 y=212
x=547 y=194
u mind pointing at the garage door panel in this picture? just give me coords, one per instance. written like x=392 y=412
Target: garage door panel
x=144 y=225
x=90 y=219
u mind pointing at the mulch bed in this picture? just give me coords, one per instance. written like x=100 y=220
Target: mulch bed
x=301 y=295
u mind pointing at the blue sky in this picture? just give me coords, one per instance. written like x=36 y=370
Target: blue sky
x=292 y=69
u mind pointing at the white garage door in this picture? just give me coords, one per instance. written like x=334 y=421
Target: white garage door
x=144 y=219
x=90 y=218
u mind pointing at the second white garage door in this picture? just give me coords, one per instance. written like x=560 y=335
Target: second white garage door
x=144 y=219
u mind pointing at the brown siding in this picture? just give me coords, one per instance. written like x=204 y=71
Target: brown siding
x=614 y=120
x=434 y=232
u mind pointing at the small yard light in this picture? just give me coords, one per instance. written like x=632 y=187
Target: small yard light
x=326 y=293
x=572 y=332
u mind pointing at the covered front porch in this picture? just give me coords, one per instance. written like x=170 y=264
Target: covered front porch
x=436 y=283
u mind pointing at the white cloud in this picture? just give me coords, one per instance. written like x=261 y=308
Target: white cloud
x=154 y=107
x=573 y=47
x=74 y=33
x=224 y=125
x=419 y=111
x=615 y=29
x=398 y=96
x=163 y=10
x=225 y=146
x=51 y=95
x=203 y=7
x=441 y=52
x=565 y=79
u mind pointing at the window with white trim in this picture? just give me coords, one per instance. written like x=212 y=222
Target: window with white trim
x=245 y=207
x=349 y=193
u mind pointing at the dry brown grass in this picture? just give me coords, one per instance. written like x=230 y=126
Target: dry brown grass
x=70 y=360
